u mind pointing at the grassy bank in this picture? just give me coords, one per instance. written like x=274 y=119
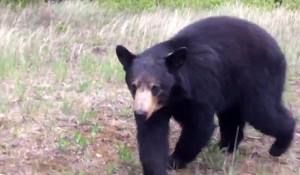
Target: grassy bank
x=64 y=108
x=137 y=5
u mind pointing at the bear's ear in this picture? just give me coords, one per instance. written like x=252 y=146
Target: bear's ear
x=125 y=57
x=177 y=58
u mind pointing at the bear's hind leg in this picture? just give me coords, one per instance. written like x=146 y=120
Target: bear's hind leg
x=231 y=125
x=271 y=118
x=285 y=134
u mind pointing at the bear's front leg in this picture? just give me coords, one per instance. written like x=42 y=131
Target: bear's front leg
x=152 y=137
x=197 y=123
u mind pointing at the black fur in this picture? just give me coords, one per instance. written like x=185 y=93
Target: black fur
x=232 y=68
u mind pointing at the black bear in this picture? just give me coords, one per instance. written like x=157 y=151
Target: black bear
x=219 y=65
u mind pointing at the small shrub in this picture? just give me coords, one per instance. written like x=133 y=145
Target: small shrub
x=80 y=140
x=124 y=153
x=63 y=143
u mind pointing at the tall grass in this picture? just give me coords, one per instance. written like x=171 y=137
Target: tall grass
x=135 y=5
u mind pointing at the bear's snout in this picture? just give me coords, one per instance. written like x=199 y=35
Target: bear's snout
x=145 y=104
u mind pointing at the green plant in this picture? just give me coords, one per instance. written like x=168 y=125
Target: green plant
x=60 y=69
x=89 y=64
x=63 y=143
x=94 y=131
x=22 y=3
x=124 y=153
x=212 y=156
x=20 y=91
x=111 y=169
x=86 y=116
x=8 y=64
x=84 y=86
x=80 y=140
x=67 y=107
x=138 y=5
x=4 y=105
x=126 y=111
x=61 y=27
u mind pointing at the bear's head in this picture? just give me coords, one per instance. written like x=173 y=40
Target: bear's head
x=150 y=78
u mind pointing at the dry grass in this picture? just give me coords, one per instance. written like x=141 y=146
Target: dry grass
x=64 y=108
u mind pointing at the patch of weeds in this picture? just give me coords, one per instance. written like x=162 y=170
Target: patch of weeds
x=112 y=72
x=15 y=131
x=193 y=4
x=81 y=172
x=126 y=160
x=231 y=171
x=20 y=3
x=61 y=27
x=264 y=171
x=67 y=107
x=39 y=93
x=4 y=105
x=124 y=153
x=212 y=156
x=63 y=143
x=98 y=41
x=30 y=107
x=84 y=86
x=7 y=65
x=49 y=122
x=89 y=64
x=111 y=169
x=97 y=86
x=80 y=140
x=126 y=111
x=94 y=131
x=238 y=155
x=70 y=89
x=20 y=91
x=51 y=89
x=35 y=61
x=65 y=51
x=60 y=69
x=86 y=116
x=106 y=70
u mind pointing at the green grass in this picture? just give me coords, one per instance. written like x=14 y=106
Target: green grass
x=124 y=153
x=62 y=144
x=134 y=5
x=80 y=140
x=67 y=107
x=60 y=69
x=194 y=4
x=86 y=116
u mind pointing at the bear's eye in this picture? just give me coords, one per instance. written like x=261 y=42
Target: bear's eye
x=133 y=88
x=155 y=90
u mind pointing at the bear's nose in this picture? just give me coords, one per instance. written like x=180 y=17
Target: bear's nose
x=140 y=113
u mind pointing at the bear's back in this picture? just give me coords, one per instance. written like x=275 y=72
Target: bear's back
x=237 y=42
x=226 y=32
